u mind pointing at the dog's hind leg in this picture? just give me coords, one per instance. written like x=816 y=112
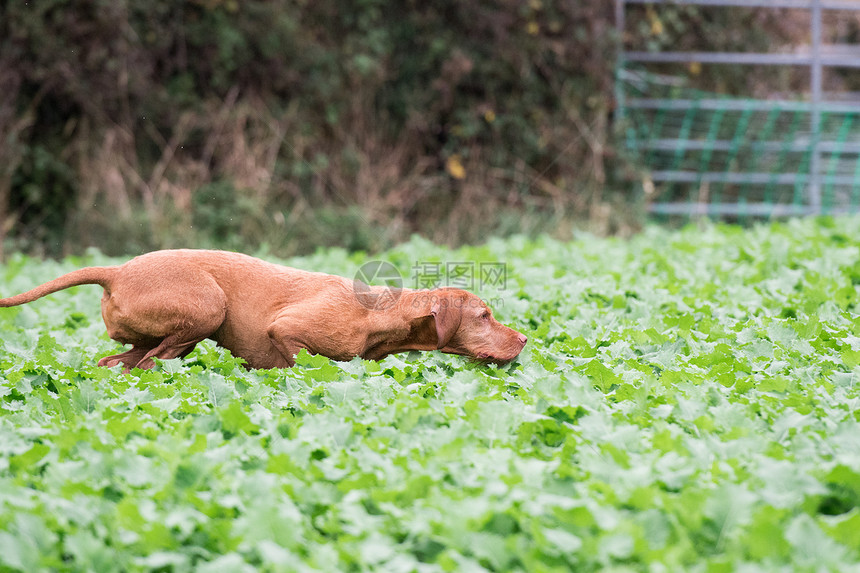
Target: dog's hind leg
x=176 y=345
x=141 y=356
x=128 y=359
x=162 y=318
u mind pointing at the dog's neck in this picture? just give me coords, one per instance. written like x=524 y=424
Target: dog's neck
x=406 y=325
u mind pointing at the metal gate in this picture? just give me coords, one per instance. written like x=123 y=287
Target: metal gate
x=707 y=154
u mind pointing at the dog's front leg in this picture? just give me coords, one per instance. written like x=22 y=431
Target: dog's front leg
x=283 y=339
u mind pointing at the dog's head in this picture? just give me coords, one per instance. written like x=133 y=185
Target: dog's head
x=465 y=325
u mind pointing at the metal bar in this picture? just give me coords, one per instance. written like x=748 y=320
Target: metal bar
x=753 y=209
x=754 y=178
x=718 y=58
x=815 y=88
x=838 y=6
x=753 y=3
x=748 y=58
x=739 y=105
x=796 y=146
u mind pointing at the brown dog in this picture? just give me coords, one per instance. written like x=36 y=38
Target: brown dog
x=164 y=303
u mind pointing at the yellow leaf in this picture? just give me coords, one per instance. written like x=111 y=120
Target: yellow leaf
x=656 y=23
x=695 y=68
x=533 y=28
x=455 y=167
x=490 y=116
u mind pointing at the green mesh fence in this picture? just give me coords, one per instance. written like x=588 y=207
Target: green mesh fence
x=713 y=155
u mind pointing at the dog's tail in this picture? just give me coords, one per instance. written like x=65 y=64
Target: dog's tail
x=88 y=276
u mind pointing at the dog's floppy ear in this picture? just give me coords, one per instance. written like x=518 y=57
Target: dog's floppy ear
x=447 y=317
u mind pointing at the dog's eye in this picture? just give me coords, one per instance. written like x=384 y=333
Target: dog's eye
x=485 y=315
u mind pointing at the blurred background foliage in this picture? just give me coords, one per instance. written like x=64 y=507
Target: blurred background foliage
x=289 y=125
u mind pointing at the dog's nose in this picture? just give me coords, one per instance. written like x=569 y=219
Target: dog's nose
x=522 y=338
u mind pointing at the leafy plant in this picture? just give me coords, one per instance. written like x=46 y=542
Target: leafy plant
x=687 y=401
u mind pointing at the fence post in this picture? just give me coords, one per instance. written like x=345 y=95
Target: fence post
x=816 y=83
x=619 y=64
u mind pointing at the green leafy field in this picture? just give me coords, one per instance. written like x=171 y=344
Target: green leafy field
x=687 y=401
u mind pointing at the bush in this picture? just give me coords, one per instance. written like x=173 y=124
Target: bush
x=376 y=119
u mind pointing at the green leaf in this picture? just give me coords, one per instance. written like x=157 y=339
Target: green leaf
x=29 y=460
x=85 y=397
x=562 y=542
x=601 y=376
x=219 y=392
x=774 y=384
x=811 y=546
x=27 y=544
x=845 y=528
x=764 y=537
x=234 y=419
x=91 y=553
